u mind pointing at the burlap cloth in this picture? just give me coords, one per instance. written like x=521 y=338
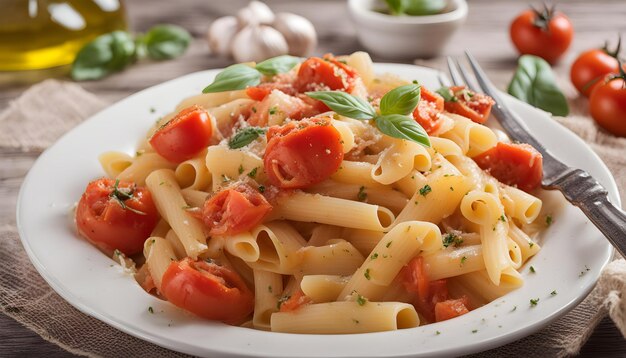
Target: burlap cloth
x=49 y=109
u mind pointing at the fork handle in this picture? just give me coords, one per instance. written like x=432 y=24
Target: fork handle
x=585 y=192
x=610 y=220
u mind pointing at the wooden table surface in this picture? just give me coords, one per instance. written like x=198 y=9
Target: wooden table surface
x=485 y=34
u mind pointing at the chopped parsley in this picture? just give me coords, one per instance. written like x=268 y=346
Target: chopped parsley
x=532 y=269
x=254 y=109
x=367 y=274
x=502 y=218
x=452 y=239
x=355 y=321
x=245 y=137
x=225 y=178
x=514 y=309
x=389 y=244
x=463 y=259
x=553 y=293
x=531 y=244
x=474 y=330
x=374 y=256
x=240 y=170
x=117 y=252
x=282 y=300
x=152 y=110
x=362 y=195
x=139 y=153
x=534 y=301
x=273 y=110
x=269 y=288
x=451 y=189
x=252 y=173
x=425 y=190
x=122 y=194
x=361 y=300
x=150 y=309
x=262 y=188
x=548 y=220
x=437 y=332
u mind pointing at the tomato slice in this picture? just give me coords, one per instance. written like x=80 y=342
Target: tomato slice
x=184 y=136
x=295 y=301
x=448 y=309
x=301 y=154
x=208 y=290
x=428 y=110
x=235 y=210
x=325 y=74
x=518 y=165
x=427 y=293
x=259 y=92
x=116 y=215
x=467 y=103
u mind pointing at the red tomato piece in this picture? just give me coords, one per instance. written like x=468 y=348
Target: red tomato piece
x=607 y=104
x=116 y=216
x=301 y=154
x=184 y=136
x=467 y=103
x=428 y=110
x=208 y=290
x=295 y=301
x=235 y=210
x=258 y=93
x=519 y=165
x=448 y=309
x=546 y=34
x=325 y=74
x=427 y=293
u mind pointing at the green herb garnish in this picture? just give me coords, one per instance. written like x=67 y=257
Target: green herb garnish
x=425 y=190
x=362 y=195
x=245 y=137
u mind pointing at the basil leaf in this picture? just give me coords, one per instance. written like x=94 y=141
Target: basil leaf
x=424 y=7
x=447 y=94
x=276 y=65
x=106 y=54
x=166 y=41
x=403 y=127
x=234 y=77
x=400 y=100
x=245 y=137
x=396 y=7
x=345 y=104
x=534 y=83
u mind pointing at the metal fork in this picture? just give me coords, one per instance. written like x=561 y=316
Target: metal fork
x=578 y=186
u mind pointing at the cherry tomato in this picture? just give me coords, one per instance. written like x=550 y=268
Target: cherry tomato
x=519 y=165
x=116 y=215
x=301 y=154
x=427 y=293
x=467 y=103
x=235 y=210
x=428 y=110
x=295 y=301
x=325 y=74
x=546 y=34
x=607 y=105
x=258 y=93
x=590 y=68
x=208 y=290
x=448 y=309
x=184 y=136
x=281 y=106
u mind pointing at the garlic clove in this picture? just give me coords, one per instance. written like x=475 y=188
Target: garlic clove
x=256 y=13
x=298 y=31
x=221 y=33
x=257 y=43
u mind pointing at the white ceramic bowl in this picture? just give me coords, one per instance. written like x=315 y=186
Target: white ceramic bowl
x=400 y=37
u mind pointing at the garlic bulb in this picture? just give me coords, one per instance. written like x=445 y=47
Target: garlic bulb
x=221 y=34
x=298 y=32
x=254 y=14
x=257 y=43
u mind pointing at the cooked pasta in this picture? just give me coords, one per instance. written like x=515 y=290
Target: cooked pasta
x=260 y=207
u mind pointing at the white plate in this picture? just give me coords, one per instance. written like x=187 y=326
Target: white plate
x=88 y=280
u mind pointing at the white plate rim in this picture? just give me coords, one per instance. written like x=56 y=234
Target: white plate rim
x=138 y=332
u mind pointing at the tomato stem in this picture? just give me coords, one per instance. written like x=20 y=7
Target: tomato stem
x=615 y=53
x=544 y=16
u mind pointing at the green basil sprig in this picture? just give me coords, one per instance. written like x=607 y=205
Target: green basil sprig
x=416 y=7
x=534 y=83
x=112 y=52
x=237 y=77
x=393 y=120
x=245 y=137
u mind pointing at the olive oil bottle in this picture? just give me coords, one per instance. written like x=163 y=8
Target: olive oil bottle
x=38 y=34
